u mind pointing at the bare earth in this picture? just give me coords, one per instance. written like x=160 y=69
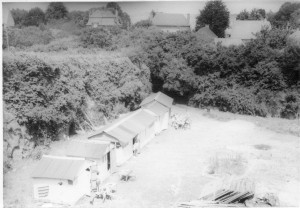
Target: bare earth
x=173 y=166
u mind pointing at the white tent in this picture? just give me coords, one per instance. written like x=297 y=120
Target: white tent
x=100 y=152
x=61 y=180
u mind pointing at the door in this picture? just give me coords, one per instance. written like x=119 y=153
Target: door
x=113 y=160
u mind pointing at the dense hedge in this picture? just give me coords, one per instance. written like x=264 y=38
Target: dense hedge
x=256 y=78
x=48 y=92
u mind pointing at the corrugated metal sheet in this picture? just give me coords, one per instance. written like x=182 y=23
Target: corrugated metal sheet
x=87 y=149
x=160 y=97
x=121 y=134
x=58 y=168
x=157 y=108
x=144 y=118
x=165 y=19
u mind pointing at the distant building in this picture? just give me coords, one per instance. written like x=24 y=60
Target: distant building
x=103 y=17
x=206 y=34
x=246 y=29
x=170 y=22
x=242 y=31
x=7 y=18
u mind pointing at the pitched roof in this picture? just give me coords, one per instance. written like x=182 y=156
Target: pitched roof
x=159 y=97
x=246 y=29
x=58 y=168
x=87 y=149
x=102 y=13
x=157 y=108
x=165 y=19
x=206 y=33
x=126 y=128
x=103 y=17
x=7 y=18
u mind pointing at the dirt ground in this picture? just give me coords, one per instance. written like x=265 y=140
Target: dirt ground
x=173 y=166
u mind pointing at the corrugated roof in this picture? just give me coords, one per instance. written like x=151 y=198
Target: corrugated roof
x=58 y=168
x=246 y=29
x=87 y=149
x=122 y=134
x=159 y=97
x=144 y=118
x=157 y=108
x=165 y=19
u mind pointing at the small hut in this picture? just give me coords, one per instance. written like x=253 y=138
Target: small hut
x=160 y=104
x=61 y=180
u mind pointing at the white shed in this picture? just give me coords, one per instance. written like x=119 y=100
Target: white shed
x=160 y=104
x=61 y=180
x=100 y=152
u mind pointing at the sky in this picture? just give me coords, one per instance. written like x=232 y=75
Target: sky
x=139 y=10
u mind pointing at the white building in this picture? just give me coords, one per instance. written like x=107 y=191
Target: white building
x=61 y=180
x=160 y=104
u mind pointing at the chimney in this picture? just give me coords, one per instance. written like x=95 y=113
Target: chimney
x=188 y=18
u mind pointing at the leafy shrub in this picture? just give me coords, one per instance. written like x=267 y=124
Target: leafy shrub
x=28 y=36
x=48 y=92
x=96 y=37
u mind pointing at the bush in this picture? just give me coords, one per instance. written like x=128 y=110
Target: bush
x=28 y=36
x=96 y=37
x=48 y=92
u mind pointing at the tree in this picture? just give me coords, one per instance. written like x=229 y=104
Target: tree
x=123 y=16
x=19 y=16
x=243 y=15
x=295 y=19
x=283 y=16
x=35 y=17
x=216 y=15
x=255 y=14
x=56 y=10
x=80 y=18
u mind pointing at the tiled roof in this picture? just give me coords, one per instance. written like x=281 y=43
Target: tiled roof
x=58 y=168
x=206 y=33
x=100 y=13
x=87 y=149
x=165 y=19
x=103 y=17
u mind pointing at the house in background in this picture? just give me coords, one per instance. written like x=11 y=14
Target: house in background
x=103 y=17
x=101 y=153
x=7 y=18
x=61 y=180
x=206 y=34
x=170 y=22
x=242 y=31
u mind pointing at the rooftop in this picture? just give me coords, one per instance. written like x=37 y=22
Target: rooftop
x=167 y=19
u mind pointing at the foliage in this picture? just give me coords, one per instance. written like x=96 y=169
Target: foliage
x=48 y=92
x=180 y=121
x=27 y=36
x=35 y=17
x=295 y=19
x=56 y=10
x=19 y=16
x=96 y=37
x=216 y=15
x=143 y=24
x=80 y=18
x=255 y=14
x=284 y=16
x=123 y=16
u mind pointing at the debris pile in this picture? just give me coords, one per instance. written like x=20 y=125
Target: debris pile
x=232 y=193
x=179 y=121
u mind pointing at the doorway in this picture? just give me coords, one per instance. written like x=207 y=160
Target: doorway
x=108 y=161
